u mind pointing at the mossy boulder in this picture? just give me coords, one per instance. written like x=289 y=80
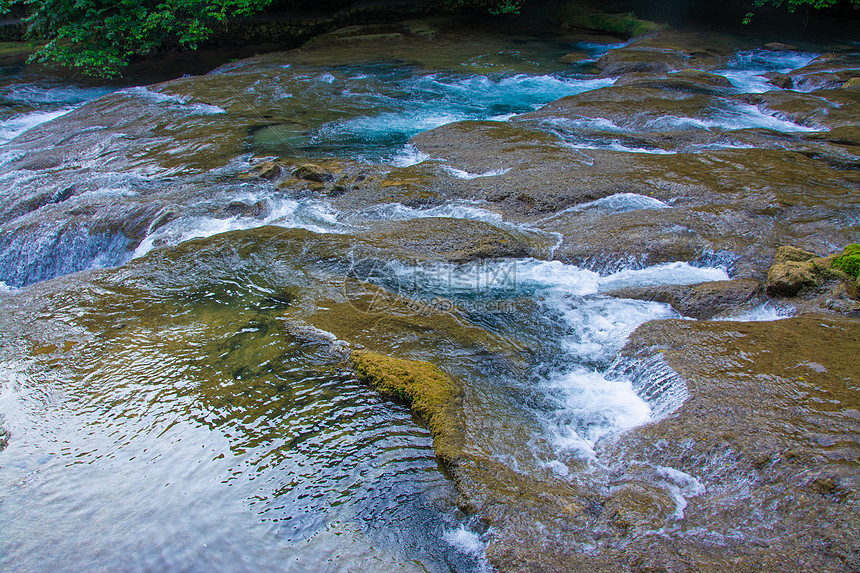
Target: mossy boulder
x=849 y=261
x=422 y=386
x=625 y=24
x=795 y=270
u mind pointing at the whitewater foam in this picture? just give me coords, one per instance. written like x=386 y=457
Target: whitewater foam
x=175 y=101
x=16 y=125
x=461 y=174
x=309 y=214
x=677 y=273
x=764 y=312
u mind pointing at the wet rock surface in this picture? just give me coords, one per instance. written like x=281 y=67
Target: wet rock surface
x=701 y=301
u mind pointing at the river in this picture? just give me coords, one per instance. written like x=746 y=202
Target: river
x=183 y=265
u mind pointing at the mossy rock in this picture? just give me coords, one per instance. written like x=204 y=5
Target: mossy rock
x=625 y=24
x=422 y=386
x=849 y=261
x=852 y=83
x=312 y=172
x=796 y=270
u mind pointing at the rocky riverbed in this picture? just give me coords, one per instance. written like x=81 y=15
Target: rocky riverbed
x=600 y=270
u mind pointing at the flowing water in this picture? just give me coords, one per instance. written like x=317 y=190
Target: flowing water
x=173 y=398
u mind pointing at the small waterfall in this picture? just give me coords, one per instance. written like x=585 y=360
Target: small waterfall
x=654 y=381
x=26 y=259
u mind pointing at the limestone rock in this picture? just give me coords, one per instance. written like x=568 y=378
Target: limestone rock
x=792 y=254
x=312 y=172
x=701 y=301
x=783 y=81
x=790 y=277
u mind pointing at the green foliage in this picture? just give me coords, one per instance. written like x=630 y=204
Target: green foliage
x=793 y=5
x=849 y=262
x=99 y=36
x=506 y=7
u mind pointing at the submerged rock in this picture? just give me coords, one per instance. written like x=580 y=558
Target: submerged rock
x=425 y=388
x=457 y=240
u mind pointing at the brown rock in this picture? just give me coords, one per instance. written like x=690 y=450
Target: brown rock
x=789 y=253
x=779 y=47
x=701 y=301
x=264 y=170
x=783 y=81
x=312 y=172
x=789 y=278
x=573 y=57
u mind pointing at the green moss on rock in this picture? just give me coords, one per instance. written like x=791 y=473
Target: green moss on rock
x=796 y=271
x=422 y=386
x=849 y=261
x=625 y=24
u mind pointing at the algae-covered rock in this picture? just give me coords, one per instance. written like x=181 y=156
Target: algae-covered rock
x=853 y=83
x=849 y=261
x=425 y=388
x=625 y=24
x=312 y=172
